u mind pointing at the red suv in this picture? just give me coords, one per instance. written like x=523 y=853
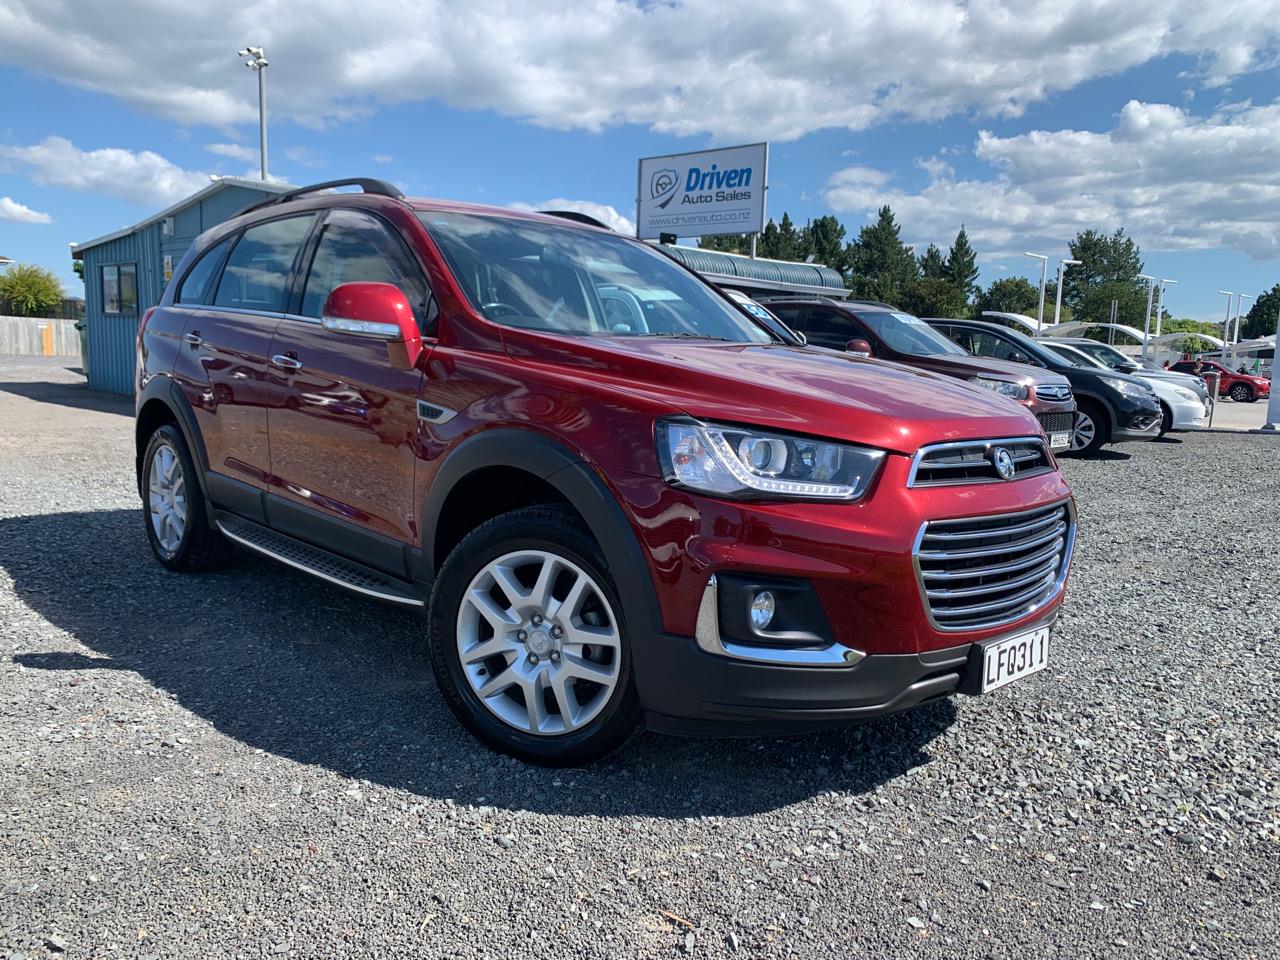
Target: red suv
x=1240 y=387
x=619 y=500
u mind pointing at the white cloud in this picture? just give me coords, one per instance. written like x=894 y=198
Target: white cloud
x=1173 y=180
x=382 y=158
x=142 y=176
x=15 y=212
x=601 y=211
x=756 y=69
x=236 y=151
x=302 y=157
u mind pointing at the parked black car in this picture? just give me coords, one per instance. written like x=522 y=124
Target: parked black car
x=1111 y=406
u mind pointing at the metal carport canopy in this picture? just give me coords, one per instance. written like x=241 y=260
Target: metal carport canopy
x=1183 y=335
x=1073 y=327
x=757 y=273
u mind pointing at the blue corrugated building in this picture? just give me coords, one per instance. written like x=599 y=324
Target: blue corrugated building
x=125 y=272
x=757 y=276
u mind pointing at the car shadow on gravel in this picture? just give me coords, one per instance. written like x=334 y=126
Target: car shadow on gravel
x=287 y=664
x=75 y=395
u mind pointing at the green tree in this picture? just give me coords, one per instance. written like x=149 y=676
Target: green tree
x=882 y=267
x=78 y=267
x=933 y=297
x=824 y=240
x=1108 y=271
x=29 y=291
x=962 y=266
x=1260 y=321
x=727 y=243
x=933 y=265
x=788 y=239
x=768 y=243
x=1009 y=295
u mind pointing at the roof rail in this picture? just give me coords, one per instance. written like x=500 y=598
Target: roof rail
x=817 y=297
x=367 y=184
x=575 y=216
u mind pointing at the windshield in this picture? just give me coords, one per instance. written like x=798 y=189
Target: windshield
x=904 y=333
x=1104 y=354
x=560 y=279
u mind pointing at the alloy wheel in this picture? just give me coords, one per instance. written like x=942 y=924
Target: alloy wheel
x=538 y=642
x=167 y=497
x=1085 y=431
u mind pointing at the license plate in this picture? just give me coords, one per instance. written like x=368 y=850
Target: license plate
x=1013 y=658
x=1059 y=441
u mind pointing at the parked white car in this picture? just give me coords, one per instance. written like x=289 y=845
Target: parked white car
x=1182 y=408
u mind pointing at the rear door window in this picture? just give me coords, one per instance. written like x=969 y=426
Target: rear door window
x=829 y=328
x=257 y=273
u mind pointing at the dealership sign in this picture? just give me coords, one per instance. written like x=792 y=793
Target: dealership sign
x=702 y=193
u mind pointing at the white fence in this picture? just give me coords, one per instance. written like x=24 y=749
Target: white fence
x=34 y=337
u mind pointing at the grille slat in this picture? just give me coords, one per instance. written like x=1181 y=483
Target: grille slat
x=986 y=571
x=974 y=461
x=1057 y=422
x=1057 y=392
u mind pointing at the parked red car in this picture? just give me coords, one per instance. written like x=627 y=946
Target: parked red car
x=1240 y=387
x=619 y=499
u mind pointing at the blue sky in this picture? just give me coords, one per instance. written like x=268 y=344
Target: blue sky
x=1165 y=122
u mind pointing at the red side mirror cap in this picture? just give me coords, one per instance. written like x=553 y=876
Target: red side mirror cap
x=858 y=347
x=379 y=311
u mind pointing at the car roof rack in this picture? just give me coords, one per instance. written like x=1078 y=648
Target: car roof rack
x=367 y=184
x=815 y=297
x=576 y=217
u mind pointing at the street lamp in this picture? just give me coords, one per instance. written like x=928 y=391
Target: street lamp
x=1062 y=268
x=1044 y=276
x=1146 y=326
x=1160 y=303
x=1240 y=299
x=257 y=62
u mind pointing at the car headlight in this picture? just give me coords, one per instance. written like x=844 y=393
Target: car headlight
x=1186 y=394
x=1006 y=388
x=1130 y=388
x=746 y=463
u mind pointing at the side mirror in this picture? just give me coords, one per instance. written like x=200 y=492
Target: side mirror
x=1126 y=367
x=377 y=311
x=801 y=337
x=858 y=347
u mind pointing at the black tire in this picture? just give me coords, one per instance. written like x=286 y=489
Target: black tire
x=1090 y=412
x=1166 y=418
x=201 y=545
x=556 y=530
x=1241 y=393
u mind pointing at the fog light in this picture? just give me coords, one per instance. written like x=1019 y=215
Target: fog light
x=762 y=608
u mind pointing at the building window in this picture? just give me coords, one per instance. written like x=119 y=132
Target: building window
x=120 y=289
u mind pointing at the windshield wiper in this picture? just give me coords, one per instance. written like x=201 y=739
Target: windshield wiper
x=681 y=336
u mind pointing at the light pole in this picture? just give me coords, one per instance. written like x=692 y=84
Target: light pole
x=1044 y=277
x=257 y=62
x=1240 y=299
x=1062 y=268
x=1146 y=326
x=1160 y=303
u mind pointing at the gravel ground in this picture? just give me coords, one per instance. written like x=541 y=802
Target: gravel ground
x=254 y=764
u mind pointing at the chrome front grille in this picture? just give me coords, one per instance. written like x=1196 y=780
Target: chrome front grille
x=988 y=571
x=1054 y=391
x=974 y=461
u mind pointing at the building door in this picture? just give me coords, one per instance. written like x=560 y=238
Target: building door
x=344 y=442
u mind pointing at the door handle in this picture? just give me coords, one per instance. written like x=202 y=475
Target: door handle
x=193 y=338
x=285 y=362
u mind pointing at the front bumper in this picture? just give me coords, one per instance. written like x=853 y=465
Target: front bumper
x=1140 y=424
x=717 y=696
x=1188 y=415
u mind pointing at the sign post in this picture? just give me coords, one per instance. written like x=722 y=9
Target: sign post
x=703 y=193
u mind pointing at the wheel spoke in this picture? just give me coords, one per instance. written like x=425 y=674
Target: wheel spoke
x=489 y=648
x=563 y=610
x=535 y=703
x=565 y=701
x=505 y=577
x=540 y=595
x=577 y=634
x=499 y=682
x=583 y=669
x=498 y=618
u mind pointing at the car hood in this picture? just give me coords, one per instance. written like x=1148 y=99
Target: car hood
x=802 y=389
x=1000 y=369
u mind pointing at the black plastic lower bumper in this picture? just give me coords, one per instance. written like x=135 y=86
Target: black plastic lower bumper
x=709 y=695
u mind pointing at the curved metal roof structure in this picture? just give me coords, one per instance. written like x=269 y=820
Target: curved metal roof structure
x=1184 y=335
x=1074 y=327
x=759 y=274
x=1017 y=319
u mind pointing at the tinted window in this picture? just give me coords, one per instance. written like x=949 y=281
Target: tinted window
x=257 y=271
x=111 y=289
x=557 y=278
x=356 y=247
x=196 y=285
x=984 y=344
x=829 y=328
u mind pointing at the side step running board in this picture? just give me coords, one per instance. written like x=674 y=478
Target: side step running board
x=319 y=563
